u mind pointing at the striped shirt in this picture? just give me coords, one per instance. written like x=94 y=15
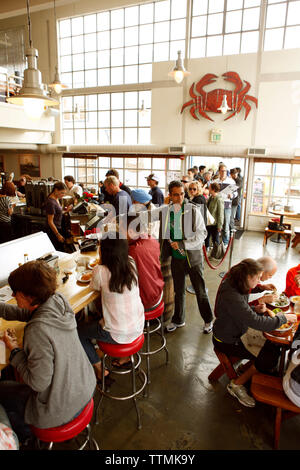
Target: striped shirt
x=123 y=313
x=5 y=204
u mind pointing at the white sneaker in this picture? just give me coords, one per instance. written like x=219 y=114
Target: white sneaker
x=173 y=326
x=239 y=392
x=208 y=327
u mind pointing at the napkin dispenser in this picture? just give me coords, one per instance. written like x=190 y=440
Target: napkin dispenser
x=51 y=259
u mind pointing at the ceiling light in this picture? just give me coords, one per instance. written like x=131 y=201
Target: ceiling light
x=32 y=94
x=143 y=111
x=56 y=85
x=178 y=72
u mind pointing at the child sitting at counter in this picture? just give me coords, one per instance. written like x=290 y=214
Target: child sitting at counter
x=122 y=308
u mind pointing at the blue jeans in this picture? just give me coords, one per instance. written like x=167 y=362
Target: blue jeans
x=226 y=226
x=89 y=331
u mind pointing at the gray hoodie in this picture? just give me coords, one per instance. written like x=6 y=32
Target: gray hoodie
x=52 y=362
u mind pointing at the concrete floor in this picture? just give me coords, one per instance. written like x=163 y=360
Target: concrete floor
x=184 y=411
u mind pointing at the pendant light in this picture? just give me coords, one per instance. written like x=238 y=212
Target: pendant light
x=224 y=106
x=32 y=95
x=178 y=72
x=56 y=85
x=143 y=111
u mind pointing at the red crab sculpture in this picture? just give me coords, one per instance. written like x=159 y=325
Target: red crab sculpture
x=210 y=101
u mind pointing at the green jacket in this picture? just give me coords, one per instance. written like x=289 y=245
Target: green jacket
x=215 y=205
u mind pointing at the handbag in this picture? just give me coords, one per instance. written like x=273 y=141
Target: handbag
x=210 y=218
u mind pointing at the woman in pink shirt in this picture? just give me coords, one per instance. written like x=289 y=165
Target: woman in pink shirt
x=122 y=319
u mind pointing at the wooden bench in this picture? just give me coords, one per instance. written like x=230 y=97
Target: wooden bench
x=268 y=389
x=286 y=234
x=296 y=238
x=226 y=366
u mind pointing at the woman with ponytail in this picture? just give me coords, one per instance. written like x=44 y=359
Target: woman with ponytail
x=122 y=317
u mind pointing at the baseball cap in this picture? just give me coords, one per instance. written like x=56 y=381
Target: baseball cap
x=140 y=195
x=153 y=177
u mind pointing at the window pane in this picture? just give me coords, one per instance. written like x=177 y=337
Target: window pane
x=215 y=24
x=292 y=37
x=117 y=18
x=142 y=175
x=214 y=45
x=215 y=6
x=145 y=73
x=146 y=97
x=131 y=99
x=117 y=162
x=117 y=136
x=103 y=40
x=296 y=171
x=145 y=119
x=116 y=76
x=90 y=60
x=281 y=169
x=103 y=59
x=176 y=46
x=273 y=39
x=146 y=53
x=262 y=169
x=66 y=78
x=131 y=55
x=130 y=136
x=161 y=31
x=104 y=119
x=104 y=136
x=146 y=13
x=65 y=28
x=90 y=22
x=198 y=47
x=131 y=118
x=252 y=3
x=91 y=119
x=233 y=21
x=77 y=25
x=104 y=162
x=79 y=135
x=103 y=77
x=178 y=9
x=68 y=137
x=146 y=34
x=65 y=46
x=144 y=136
x=117 y=57
x=131 y=74
x=158 y=163
x=177 y=29
x=161 y=51
x=276 y=15
x=131 y=162
x=162 y=10
x=78 y=61
x=131 y=36
x=232 y=43
x=91 y=136
x=234 y=4
x=91 y=102
x=131 y=16
x=200 y=7
x=77 y=44
x=249 y=42
x=251 y=19
x=104 y=101
x=280 y=187
x=199 y=26
x=174 y=164
x=117 y=38
x=91 y=78
x=103 y=21
x=66 y=63
x=78 y=79
x=117 y=101
x=130 y=178
x=117 y=119
x=295 y=203
x=293 y=13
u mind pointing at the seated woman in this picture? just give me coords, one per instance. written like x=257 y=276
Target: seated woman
x=6 y=210
x=292 y=286
x=122 y=308
x=57 y=379
x=234 y=316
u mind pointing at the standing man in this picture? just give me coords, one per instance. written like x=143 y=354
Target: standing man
x=182 y=234
x=224 y=181
x=156 y=193
x=108 y=197
x=240 y=194
x=235 y=201
x=120 y=199
x=73 y=190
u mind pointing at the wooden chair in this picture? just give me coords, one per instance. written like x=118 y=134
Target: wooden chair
x=226 y=366
x=286 y=234
x=268 y=389
x=296 y=238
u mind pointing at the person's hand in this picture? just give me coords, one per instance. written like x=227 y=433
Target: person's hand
x=260 y=308
x=10 y=339
x=297 y=279
x=174 y=245
x=69 y=208
x=268 y=298
x=269 y=287
x=60 y=238
x=291 y=317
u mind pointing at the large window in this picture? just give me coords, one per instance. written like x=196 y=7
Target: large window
x=133 y=170
x=119 y=46
x=222 y=27
x=282 y=29
x=275 y=183
x=110 y=118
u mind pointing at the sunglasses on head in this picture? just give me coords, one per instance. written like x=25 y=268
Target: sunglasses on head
x=184 y=181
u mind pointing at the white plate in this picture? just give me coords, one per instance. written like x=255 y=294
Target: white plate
x=280 y=306
x=86 y=281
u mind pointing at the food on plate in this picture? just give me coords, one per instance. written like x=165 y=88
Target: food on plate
x=277 y=310
x=284 y=326
x=282 y=301
x=295 y=299
x=86 y=277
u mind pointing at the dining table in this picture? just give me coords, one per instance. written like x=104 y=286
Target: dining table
x=282 y=214
x=78 y=293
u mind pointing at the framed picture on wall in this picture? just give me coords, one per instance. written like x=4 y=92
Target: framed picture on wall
x=30 y=165
x=1 y=163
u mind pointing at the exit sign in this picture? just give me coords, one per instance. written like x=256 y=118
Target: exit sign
x=216 y=135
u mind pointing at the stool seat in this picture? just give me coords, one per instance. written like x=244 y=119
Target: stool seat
x=155 y=313
x=122 y=350
x=66 y=431
x=286 y=234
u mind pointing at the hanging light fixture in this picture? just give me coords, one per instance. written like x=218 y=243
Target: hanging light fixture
x=32 y=95
x=178 y=72
x=56 y=85
x=224 y=106
x=143 y=111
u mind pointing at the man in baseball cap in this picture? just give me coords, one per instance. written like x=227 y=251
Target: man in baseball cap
x=155 y=192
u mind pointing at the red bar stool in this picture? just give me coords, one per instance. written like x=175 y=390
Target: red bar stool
x=155 y=314
x=69 y=430
x=124 y=350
